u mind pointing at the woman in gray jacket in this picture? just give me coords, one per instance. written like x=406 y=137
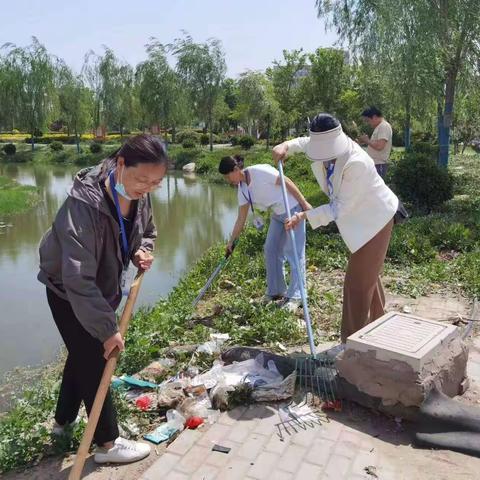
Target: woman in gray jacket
x=105 y=222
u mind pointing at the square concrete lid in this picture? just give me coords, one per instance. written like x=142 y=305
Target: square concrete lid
x=403 y=337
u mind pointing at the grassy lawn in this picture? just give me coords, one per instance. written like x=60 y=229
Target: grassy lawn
x=16 y=198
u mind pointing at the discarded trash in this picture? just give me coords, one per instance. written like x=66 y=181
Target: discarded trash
x=156 y=369
x=249 y=371
x=197 y=403
x=295 y=412
x=143 y=402
x=174 y=423
x=273 y=392
x=371 y=470
x=215 y=343
x=221 y=449
x=129 y=382
x=129 y=429
x=194 y=422
x=335 y=405
x=170 y=395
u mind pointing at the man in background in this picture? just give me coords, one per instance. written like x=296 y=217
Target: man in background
x=379 y=145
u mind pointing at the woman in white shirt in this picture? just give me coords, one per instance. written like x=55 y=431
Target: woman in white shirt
x=362 y=206
x=259 y=189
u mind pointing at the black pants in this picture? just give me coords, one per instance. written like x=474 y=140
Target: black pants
x=82 y=373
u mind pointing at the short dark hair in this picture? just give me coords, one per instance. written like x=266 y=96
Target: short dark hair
x=228 y=164
x=371 y=112
x=323 y=122
x=141 y=148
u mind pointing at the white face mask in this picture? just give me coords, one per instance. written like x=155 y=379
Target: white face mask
x=120 y=187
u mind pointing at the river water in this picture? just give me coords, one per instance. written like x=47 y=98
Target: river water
x=190 y=215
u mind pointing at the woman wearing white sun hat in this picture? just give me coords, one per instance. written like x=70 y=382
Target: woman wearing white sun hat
x=361 y=205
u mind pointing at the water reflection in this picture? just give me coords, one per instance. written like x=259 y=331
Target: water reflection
x=190 y=216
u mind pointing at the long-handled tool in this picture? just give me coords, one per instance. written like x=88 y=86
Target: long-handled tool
x=315 y=373
x=212 y=277
x=76 y=472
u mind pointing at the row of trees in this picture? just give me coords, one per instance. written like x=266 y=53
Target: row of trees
x=411 y=59
x=427 y=51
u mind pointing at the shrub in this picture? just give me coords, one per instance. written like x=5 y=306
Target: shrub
x=188 y=143
x=96 y=147
x=183 y=157
x=187 y=134
x=10 y=149
x=204 y=139
x=56 y=146
x=234 y=140
x=420 y=181
x=246 y=142
x=398 y=139
x=426 y=148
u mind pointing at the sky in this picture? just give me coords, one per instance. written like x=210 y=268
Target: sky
x=253 y=33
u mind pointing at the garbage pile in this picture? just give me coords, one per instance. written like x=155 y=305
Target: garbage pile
x=191 y=398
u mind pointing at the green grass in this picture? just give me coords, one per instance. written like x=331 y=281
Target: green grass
x=435 y=253
x=16 y=198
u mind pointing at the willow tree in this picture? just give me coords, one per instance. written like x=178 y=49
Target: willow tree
x=202 y=67
x=287 y=77
x=75 y=102
x=35 y=74
x=445 y=33
x=160 y=93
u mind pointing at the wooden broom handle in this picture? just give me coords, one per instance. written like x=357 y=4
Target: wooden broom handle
x=83 y=449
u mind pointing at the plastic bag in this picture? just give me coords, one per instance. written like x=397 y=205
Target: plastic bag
x=215 y=343
x=175 y=423
x=249 y=371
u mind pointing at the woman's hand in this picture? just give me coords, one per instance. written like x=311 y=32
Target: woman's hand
x=115 y=341
x=229 y=248
x=294 y=220
x=143 y=260
x=279 y=152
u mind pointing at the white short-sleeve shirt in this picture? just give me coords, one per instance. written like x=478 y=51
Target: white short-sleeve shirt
x=263 y=190
x=383 y=131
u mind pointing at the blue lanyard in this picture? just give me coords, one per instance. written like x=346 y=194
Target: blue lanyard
x=330 y=169
x=249 y=199
x=120 y=218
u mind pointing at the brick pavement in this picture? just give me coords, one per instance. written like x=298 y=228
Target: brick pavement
x=348 y=445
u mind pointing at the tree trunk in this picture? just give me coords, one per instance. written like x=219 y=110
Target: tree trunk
x=77 y=140
x=408 y=120
x=121 y=131
x=445 y=121
x=268 y=133
x=174 y=133
x=210 y=126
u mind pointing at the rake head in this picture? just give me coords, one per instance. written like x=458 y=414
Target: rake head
x=317 y=381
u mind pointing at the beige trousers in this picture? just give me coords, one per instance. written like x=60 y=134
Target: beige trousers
x=363 y=295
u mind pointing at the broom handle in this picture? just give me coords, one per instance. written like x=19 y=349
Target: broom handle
x=76 y=472
x=298 y=266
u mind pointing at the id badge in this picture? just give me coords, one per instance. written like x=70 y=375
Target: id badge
x=258 y=223
x=126 y=279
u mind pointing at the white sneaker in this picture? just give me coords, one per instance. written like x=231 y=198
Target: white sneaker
x=60 y=430
x=291 y=305
x=124 y=451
